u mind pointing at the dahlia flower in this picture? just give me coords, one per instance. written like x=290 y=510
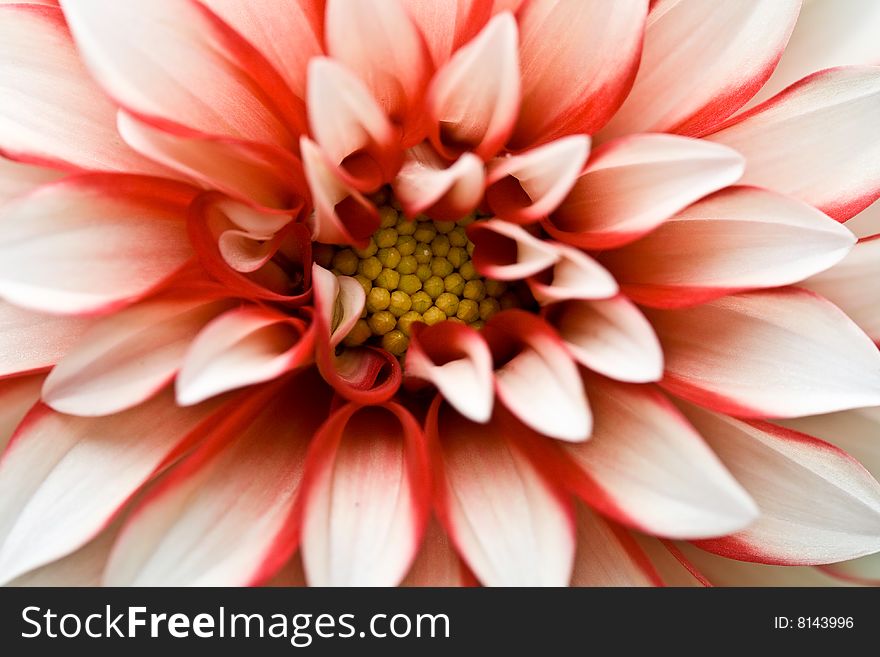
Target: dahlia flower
x=378 y=292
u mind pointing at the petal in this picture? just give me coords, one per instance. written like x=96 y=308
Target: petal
x=365 y=498
x=827 y=33
x=288 y=34
x=350 y=125
x=16 y=178
x=250 y=172
x=428 y=184
x=737 y=239
x=176 y=62
x=809 y=141
x=447 y=26
x=579 y=58
x=633 y=184
x=701 y=63
x=674 y=569
x=508 y=521
x=92 y=243
x=527 y=187
x=339 y=301
x=866 y=222
x=535 y=377
x=574 y=276
x=473 y=100
x=779 y=353
x=391 y=57
x=818 y=504
x=222 y=517
x=128 y=357
x=17 y=396
x=53 y=113
x=506 y=252
x=608 y=556
x=242 y=347
x=646 y=467
x=852 y=286
x=342 y=215
x=64 y=478
x=437 y=563
x=458 y=362
x=610 y=336
x=31 y=342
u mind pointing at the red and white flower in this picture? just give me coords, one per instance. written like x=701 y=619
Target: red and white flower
x=378 y=292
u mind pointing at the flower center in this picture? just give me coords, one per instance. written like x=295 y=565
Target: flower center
x=415 y=271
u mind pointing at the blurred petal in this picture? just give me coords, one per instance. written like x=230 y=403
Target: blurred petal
x=17 y=396
x=437 y=563
x=447 y=26
x=17 y=178
x=31 y=341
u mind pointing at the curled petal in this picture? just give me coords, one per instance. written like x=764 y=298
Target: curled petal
x=426 y=183
x=342 y=215
x=458 y=362
x=527 y=187
x=632 y=185
x=242 y=347
x=506 y=517
x=779 y=353
x=646 y=467
x=507 y=252
x=832 y=167
x=535 y=377
x=737 y=239
x=818 y=504
x=609 y=336
x=579 y=58
x=365 y=499
x=473 y=100
x=701 y=63
x=30 y=342
x=350 y=126
x=92 y=243
x=223 y=515
x=128 y=357
x=574 y=276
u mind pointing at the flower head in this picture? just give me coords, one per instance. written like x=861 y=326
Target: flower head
x=371 y=292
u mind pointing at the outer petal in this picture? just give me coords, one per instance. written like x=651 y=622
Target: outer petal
x=426 y=183
x=31 y=342
x=737 y=239
x=608 y=556
x=177 y=63
x=702 y=62
x=511 y=524
x=827 y=33
x=579 y=58
x=473 y=100
x=365 y=499
x=632 y=185
x=457 y=360
x=780 y=353
x=52 y=503
x=127 y=357
x=672 y=566
x=866 y=222
x=646 y=467
x=609 y=336
x=447 y=26
x=853 y=285
x=527 y=187
x=437 y=563
x=817 y=128
x=242 y=347
x=818 y=504
x=92 y=243
x=535 y=377
x=350 y=126
x=53 y=113
x=17 y=179
x=222 y=516
x=391 y=57
x=507 y=252
x=17 y=397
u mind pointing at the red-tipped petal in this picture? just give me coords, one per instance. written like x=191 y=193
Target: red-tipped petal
x=447 y=26
x=17 y=396
x=437 y=563
x=506 y=252
x=365 y=499
x=780 y=353
x=633 y=184
x=17 y=178
x=575 y=276
x=426 y=183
